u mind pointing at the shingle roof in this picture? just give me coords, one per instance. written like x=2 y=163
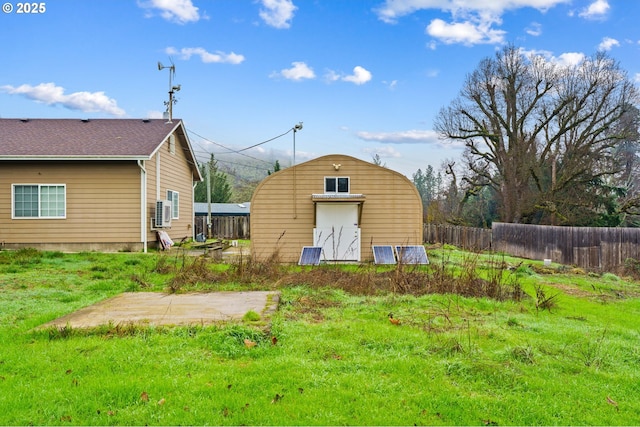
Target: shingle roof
x=33 y=138
x=222 y=209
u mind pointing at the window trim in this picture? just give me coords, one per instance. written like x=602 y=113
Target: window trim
x=336 y=179
x=40 y=186
x=175 y=207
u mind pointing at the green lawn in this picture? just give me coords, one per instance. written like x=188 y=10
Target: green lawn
x=330 y=355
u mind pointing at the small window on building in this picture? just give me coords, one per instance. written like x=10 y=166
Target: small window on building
x=334 y=184
x=174 y=198
x=172 y=144
x=39 y=201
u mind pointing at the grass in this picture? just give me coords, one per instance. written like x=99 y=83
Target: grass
x=330 y=354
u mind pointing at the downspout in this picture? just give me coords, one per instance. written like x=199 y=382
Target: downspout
x=158 y=177
x=193 y=215
x=143 y=205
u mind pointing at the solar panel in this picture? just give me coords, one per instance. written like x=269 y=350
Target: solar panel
x=310 y=255
x=383 y=254
x=413 y=254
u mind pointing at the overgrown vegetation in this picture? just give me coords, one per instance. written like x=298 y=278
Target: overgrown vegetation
x=477 y=339
x=468 y=276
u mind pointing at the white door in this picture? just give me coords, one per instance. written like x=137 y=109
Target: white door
x=337 y=231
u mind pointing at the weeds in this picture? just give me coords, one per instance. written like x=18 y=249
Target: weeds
x=523 y=354
x=632 y=267
x=544 y=301
x=141 y=281
x=190 y=272
x=494 y=279
x=247 y=269
x=590 y=352
x=367 y=279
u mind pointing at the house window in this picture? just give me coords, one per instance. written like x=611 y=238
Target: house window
x=333 y=184
x=173 y=197
x=172 y=144
x=39 y=201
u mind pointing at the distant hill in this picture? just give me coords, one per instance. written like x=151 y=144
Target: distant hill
x=245 y=173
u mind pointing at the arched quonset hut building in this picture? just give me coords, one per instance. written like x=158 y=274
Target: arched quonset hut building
x=340 y=203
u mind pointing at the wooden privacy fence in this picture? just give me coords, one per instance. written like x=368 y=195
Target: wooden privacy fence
x=224 y=227
x=602 y=248
x=468 y=238
x=592 y=248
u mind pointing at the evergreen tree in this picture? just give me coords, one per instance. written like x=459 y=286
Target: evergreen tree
x=276 y=168
x=377 y=160
x=428 y=185
x=220 y=187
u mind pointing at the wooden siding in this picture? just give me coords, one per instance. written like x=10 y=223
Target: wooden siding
x=176 y=175
x=103 y=201
x=282 y=209
x=102 y=205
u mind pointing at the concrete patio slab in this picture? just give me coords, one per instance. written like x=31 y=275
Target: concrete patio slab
x=160 y=309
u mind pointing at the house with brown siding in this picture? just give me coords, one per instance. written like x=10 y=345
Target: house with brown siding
x=337 y=202
x=72 y=185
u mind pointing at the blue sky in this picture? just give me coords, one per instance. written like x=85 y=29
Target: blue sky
x=365 y=77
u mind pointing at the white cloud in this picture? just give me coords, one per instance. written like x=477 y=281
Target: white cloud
x=608 y=43
x=566 y=59
x=297 y=72
x=206 y=57
x=472 y=21
x=467 y=33
x=360 y=76
x=50 y=94
x=637 y=78
x=331 y=76
x=402 y=137
x=178 y=11
x=534 y=29
x=408 y=137
x=391 y=85
x=277 y=13
x=431 y=73
x=384 y=152
x=155 y=114
x=596 y=10
x=570 y=58
x=394 y=9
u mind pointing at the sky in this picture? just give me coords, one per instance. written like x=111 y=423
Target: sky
x=365 y=77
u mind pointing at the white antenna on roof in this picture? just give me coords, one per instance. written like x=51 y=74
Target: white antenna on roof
x=172 y=72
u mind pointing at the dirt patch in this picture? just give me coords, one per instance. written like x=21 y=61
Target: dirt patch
x=572 y=290
x=311 y=308
x=601 y=296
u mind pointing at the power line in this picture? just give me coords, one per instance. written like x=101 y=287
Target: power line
x=208 y=140
x=226 y=148
x=264 y=142
x=231 y=151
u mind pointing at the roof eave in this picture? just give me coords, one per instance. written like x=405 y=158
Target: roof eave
x=58 y=158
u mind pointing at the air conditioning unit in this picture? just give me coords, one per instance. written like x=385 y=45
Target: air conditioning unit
x=163 y=214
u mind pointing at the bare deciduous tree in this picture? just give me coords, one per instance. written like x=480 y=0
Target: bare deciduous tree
x=536 y=131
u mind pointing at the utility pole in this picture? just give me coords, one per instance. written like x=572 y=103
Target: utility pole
x=295 y=129
x=208 y=171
